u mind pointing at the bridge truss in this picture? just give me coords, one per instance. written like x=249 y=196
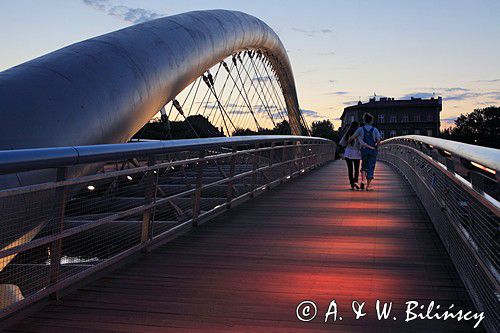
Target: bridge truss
x=241 y=95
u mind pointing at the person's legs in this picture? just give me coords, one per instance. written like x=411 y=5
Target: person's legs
x=364 y=165
x=356 y=170
x=350 y=171
x=371 y=161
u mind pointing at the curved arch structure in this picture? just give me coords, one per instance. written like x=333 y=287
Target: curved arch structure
x=104 y=89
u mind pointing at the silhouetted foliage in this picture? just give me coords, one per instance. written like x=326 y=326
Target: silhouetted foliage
x=281 y=128
x=186 y=129
x=158 y=130
x=480 y=127
x=324 y=129
x=244 y=131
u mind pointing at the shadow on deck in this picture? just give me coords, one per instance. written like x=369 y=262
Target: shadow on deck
x=248 y=269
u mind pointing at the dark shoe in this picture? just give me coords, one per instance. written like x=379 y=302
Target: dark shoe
x=355 y=186
x=362 y=186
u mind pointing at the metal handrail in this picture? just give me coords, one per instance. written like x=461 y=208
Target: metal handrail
x=488 y=157
x=457 y=185
x=39 y=158
x=127 y=198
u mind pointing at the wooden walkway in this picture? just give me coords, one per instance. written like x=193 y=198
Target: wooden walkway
x=248 y=269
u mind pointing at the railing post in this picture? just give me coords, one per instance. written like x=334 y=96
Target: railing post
x=284 y=161
x=271 y=161
x=295 y=152
x=255 y=164
x=149 y=193
x=61 y=196
x=197 y=193
x=477 y=181
x=450 y=164
x=315 y=156
x=230 y=184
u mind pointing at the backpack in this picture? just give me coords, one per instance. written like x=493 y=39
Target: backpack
x=368 y=136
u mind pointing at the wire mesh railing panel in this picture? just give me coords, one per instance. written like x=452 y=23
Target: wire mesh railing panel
x=67 y=226
x=467 y=222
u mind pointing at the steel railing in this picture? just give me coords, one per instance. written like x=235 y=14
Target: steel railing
x=458 y=186
x=70 y=212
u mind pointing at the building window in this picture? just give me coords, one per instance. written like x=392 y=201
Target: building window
x=404 y=132
x=392 y=133
x=430 y=117
x=417 y=118
x=417 y=132
x=429 y=132
x=380 y=118
x=393 y=118
x=404 y=119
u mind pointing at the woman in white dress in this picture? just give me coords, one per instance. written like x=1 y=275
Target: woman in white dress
x=352 y=155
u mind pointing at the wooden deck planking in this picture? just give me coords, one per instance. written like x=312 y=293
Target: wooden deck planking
x=247 y=270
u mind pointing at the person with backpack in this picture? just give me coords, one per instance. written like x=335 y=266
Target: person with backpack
x=369 y=138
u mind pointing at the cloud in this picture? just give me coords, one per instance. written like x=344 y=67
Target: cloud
x=418 y=95
x=338 y=93
x=453 y=89
x=488 y=94
x=458 y=94
x=326 y=53
x=445 y=89
x=448 y=120
x=312 y=114
x=489 y=81
x=313 y=32
x=461 y=97
x=125 y=13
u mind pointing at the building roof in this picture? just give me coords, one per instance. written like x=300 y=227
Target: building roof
x=385 y=102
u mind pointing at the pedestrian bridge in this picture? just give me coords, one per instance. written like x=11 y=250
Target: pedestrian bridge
x=227 y=233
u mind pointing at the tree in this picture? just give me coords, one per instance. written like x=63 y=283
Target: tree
x=480 y=127
x=324 y=129
x=192 y=127
x=243 y=132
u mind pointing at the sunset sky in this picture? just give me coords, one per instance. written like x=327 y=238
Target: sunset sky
x=341 y=51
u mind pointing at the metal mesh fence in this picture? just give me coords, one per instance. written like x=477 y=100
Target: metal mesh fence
x=467 y=222
x=64 y=229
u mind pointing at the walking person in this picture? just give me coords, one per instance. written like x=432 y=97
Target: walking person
x=369 y=139
x=352 y=155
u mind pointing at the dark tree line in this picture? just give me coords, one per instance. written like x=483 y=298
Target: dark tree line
x=480 y=127
x=281 y=128
x=193 y=127
x=199 y=126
